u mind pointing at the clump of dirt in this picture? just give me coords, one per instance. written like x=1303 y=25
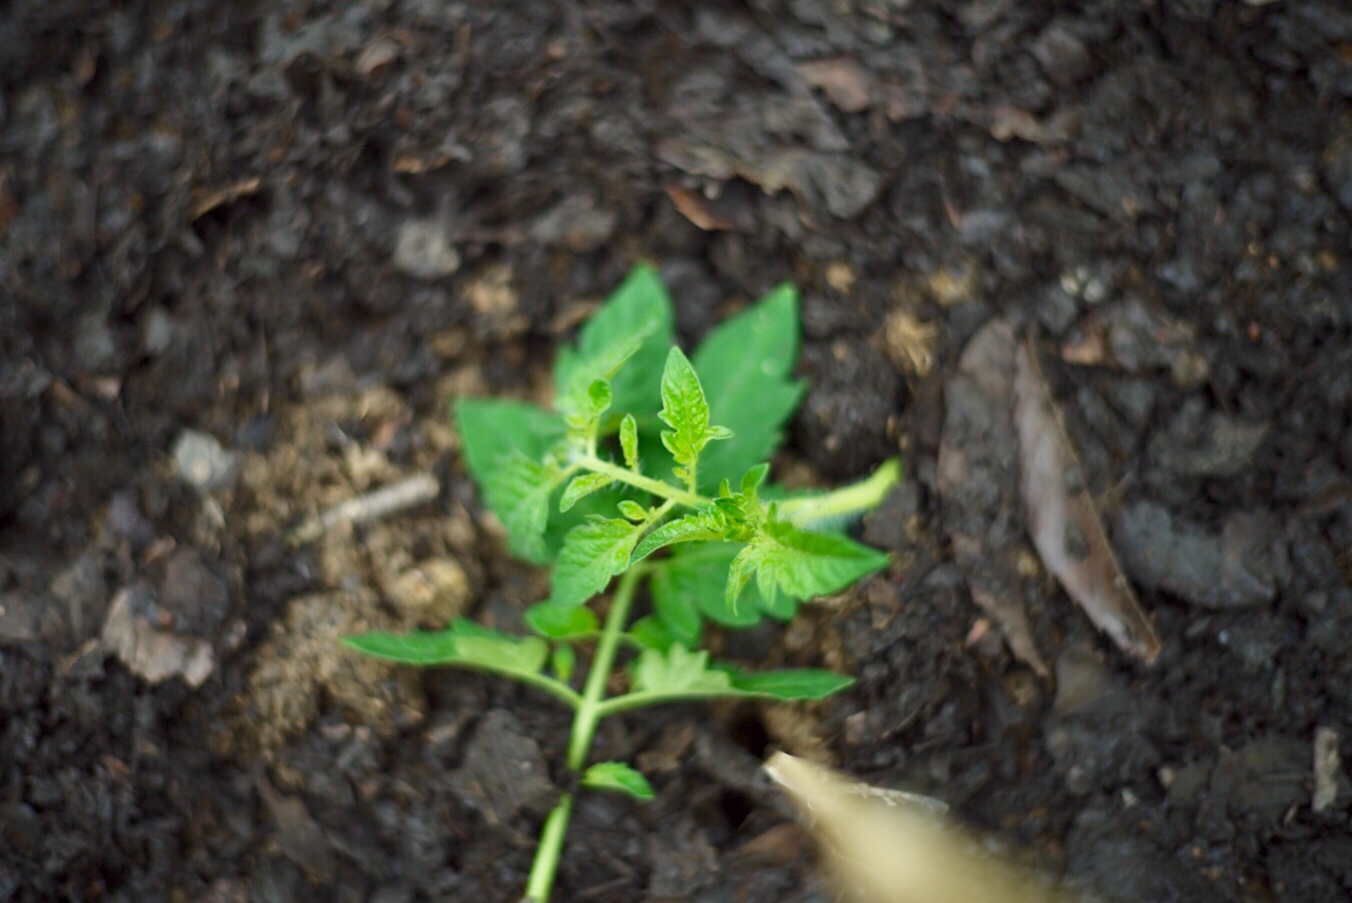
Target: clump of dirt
x=366 y=576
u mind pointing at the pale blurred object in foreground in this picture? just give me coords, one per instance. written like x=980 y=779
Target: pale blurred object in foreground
x=884 y=846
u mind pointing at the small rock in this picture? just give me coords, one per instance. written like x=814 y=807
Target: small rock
x=1082 y=681
x=1240 y=568
x=81 y=593
x=1062 y=55
x=423 y=250
x=504 y=771
x=1266 y=777
x=203 y=463
x=124 y=518
x=196 y=598
x=576 y=224
x=95 y=346
x=1215 y=446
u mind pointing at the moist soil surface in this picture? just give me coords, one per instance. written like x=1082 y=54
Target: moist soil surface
x=250 y=252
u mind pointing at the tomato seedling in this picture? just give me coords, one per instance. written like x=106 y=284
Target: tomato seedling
x=646 y=451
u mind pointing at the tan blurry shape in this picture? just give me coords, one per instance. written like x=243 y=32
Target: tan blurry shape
x=888 y=847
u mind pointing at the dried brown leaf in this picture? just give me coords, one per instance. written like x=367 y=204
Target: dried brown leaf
x=1063 y=520
x=721 y=214
x=846 y=83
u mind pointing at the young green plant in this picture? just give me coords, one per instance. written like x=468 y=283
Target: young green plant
x=676 y=448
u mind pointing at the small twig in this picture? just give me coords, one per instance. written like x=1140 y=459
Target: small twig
x=372 y=506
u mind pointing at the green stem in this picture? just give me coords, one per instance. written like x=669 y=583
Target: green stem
x=593 y=694
x=638 y=481
x=550 y=851
x=845 y=502
x=587 y=716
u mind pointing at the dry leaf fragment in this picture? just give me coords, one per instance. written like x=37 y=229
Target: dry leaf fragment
x=885 y=846
x=846 y=83
x=728 y=212
x=1063 y=520
x=151 y=653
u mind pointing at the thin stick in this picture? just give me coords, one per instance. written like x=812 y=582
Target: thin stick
x=376 y=505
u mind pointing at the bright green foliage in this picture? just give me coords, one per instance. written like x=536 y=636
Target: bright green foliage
x=582 y=486
x=619 y=778
x=629 y=441
x=650 y=467
x=632 y=328
x=592 y=554
x=800 y=565
x=685 y=410
x=519 y=490
x=678 y=672
x=562 y=622
x=467 y=645
x=745 y=368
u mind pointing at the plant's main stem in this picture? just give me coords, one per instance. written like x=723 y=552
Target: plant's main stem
x=550 y=850
x=588 y=715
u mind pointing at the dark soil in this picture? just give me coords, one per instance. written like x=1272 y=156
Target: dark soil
x=299 y=229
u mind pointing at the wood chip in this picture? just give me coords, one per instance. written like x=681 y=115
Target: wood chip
x=1063 y=520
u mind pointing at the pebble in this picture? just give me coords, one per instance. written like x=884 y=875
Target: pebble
x=424 y=250
x=203 y=463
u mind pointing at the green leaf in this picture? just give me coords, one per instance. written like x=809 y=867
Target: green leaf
x=689 y=586
x=676 y=588
x=791 y=684
x=686 y=411
x=649 y=632
x=633 y=510
x=678 y=672
x=563 y=661
x=629 y=441
x=745 y=367
x=798 y=564
x=561 y=622
x=633 y=328
x=457 y=646
x=592 y=553
x=619 y=778
x=518 y=491
x=581 y=486
x=753 y=479
x=468 y=645
x=496 y=437
x=703 y=525
x=492 y=430
x=583 y=403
